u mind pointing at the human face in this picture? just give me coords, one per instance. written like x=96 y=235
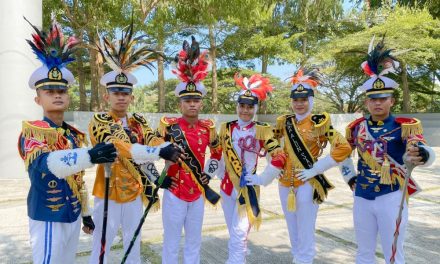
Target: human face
x=119 y=101
x=246 y=112
x=300 y=105
x=379 y=108
x=54 y=100
x=190 y=107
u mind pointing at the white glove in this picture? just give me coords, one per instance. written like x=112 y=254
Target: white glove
x=318 y=168
x=142 y=154
x=212 y=167
x=265 y=178
x=307 y=174
x=347 y=169
x=63 y=163
x=431 y=157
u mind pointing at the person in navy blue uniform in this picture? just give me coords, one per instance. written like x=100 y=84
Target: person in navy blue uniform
x=54 y=158
x=384 y=143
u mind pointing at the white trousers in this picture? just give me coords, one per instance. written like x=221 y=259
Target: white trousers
x=125 y=215
x=379 y=216
x=177 y=215
x=301 y=223
x=238 y=228
x=54 y=242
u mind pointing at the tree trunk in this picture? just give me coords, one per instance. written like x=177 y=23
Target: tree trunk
x=160 y=71
x=94 y=81
x=81 y=82
x=96 y=72
x=264 y=63
x=406 y=104
x=213 y=50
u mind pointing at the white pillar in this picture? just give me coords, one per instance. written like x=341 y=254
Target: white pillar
x=16 y=65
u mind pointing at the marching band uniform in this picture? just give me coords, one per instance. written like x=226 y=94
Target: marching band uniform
x=183 y=207
x=380 y=171
x=55 y=160
x=242 y=144
x=305 y=137
x=133 y=173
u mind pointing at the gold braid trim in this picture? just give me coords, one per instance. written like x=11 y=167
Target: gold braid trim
x=50 y=135
x=411 y=129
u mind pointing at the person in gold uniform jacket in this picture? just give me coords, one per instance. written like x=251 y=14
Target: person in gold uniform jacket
x=133 y=173
x=303 y=186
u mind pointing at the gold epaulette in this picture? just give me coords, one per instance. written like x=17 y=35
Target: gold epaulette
x=139 y=118
x=263 y=131
x=222 y=133
x=164 y=123
x=410 y=126
x=321 y=123
x=351 y=126
x=210 y=124
x=40 y=131
x=281 y=121
x=102 y=117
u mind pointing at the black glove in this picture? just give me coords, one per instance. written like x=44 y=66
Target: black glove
x=88 y=222
x=166 y=182
x=102 y=153
x=423 y=153
x=352 y=182
x=207 y=177
x=171 y=152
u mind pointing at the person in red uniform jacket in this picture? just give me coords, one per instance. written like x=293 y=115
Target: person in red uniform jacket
x=187 y=182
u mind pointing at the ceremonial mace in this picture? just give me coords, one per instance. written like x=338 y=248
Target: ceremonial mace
x=409 y=169
x=147 y=209
x=108 y=172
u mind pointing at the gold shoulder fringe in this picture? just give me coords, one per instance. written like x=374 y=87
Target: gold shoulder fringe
x=50 y=135
x=163 y=125
x=31 y=156
x=411 y=129
x=212 y=132
x=279 y=126
x=264 y=131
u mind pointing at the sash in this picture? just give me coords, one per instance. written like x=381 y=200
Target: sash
x=248 y=194
x=191 y=163
x=305 y=157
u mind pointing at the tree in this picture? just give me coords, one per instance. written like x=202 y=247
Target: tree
x=406 y=29
x=216 y=16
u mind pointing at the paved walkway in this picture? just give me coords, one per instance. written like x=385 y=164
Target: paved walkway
x=334 y=234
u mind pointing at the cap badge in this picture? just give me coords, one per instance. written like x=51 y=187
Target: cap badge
x=191 y=87
x=55 y=74
x=378 y=84
x=121 y=78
